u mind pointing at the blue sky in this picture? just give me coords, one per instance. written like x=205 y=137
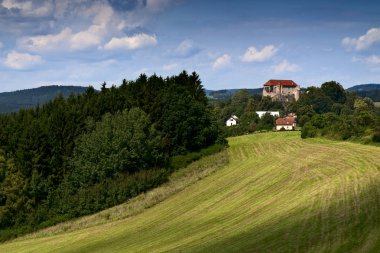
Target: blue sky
x=231 y=44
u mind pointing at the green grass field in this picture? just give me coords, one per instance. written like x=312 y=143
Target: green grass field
x=377 y=104
x=278 y=193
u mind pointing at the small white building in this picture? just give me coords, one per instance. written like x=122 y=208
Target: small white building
x=287 y=123
x=232 y=121
x=273 y=113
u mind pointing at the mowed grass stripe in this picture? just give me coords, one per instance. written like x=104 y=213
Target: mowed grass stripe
x=278 y=194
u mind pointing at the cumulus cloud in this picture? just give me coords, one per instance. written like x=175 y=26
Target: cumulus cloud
x=285 y=66
x=29 y=8
x=133 y=42
x=373 y=59
x=67 y=39
x=363 y=42
x=254 y=55
x=46 y=42
x=222 y=61
x=168 y=67
x=52 y=26
x=16 y=60
x=186 y=48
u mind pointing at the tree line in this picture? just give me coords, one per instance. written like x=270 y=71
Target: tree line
x=77 y=155
x=332 y=112
x=328 y=110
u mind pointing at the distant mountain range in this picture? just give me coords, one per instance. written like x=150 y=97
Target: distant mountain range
x=365 y=87
x=228 y=93
x=371 y=91
x=15 y=100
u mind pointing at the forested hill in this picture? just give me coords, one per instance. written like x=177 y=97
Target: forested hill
x=371 y=91
x=77 y=155
x=364 y=87
x=228 y=93
x=15 y=100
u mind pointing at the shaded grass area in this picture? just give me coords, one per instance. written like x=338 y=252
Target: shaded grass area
x=278 y=193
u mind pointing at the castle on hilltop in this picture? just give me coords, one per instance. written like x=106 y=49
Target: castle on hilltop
x=283 y=90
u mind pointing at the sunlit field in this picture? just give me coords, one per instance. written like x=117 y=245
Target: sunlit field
x=278 y=193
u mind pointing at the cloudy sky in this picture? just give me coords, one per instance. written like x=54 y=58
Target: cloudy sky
x=231 y=44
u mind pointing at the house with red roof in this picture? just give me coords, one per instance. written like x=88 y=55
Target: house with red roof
x=281 y=90
x=287 y=123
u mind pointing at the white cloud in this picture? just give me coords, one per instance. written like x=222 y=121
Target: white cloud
x=170 y=66
x=103 y=24
x=254 y=55
x=66 y=39
x=102 y=13
x=373 y=59
x=185 y=49
x=84 y=39
x=222 y=61
x=15 y=60
x=285 y=66
x=28 y=8
x=47 y=42
x=363 y=42
x=99 y=24
x=133 y=42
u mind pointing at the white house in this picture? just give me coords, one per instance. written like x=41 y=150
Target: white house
x=287 y=123
x=232 y=121
x=273 y=113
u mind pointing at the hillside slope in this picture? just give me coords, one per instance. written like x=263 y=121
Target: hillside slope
x=279 y=193
x=365 y=87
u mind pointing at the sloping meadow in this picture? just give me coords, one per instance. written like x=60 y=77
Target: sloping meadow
x=279 y=193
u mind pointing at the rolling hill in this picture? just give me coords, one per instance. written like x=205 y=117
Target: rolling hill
x=278 y=193
x=364 y=87
x=15 y=100
x=228 y=93
x=367 y=90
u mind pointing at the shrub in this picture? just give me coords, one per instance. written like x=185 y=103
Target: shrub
x=308 y=131
x=376 y=137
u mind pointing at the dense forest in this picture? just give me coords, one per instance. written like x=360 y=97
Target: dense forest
x=332 y=112
x=77 y=155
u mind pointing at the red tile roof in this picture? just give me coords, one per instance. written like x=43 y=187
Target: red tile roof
x=286 y=121
x=287 y=83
